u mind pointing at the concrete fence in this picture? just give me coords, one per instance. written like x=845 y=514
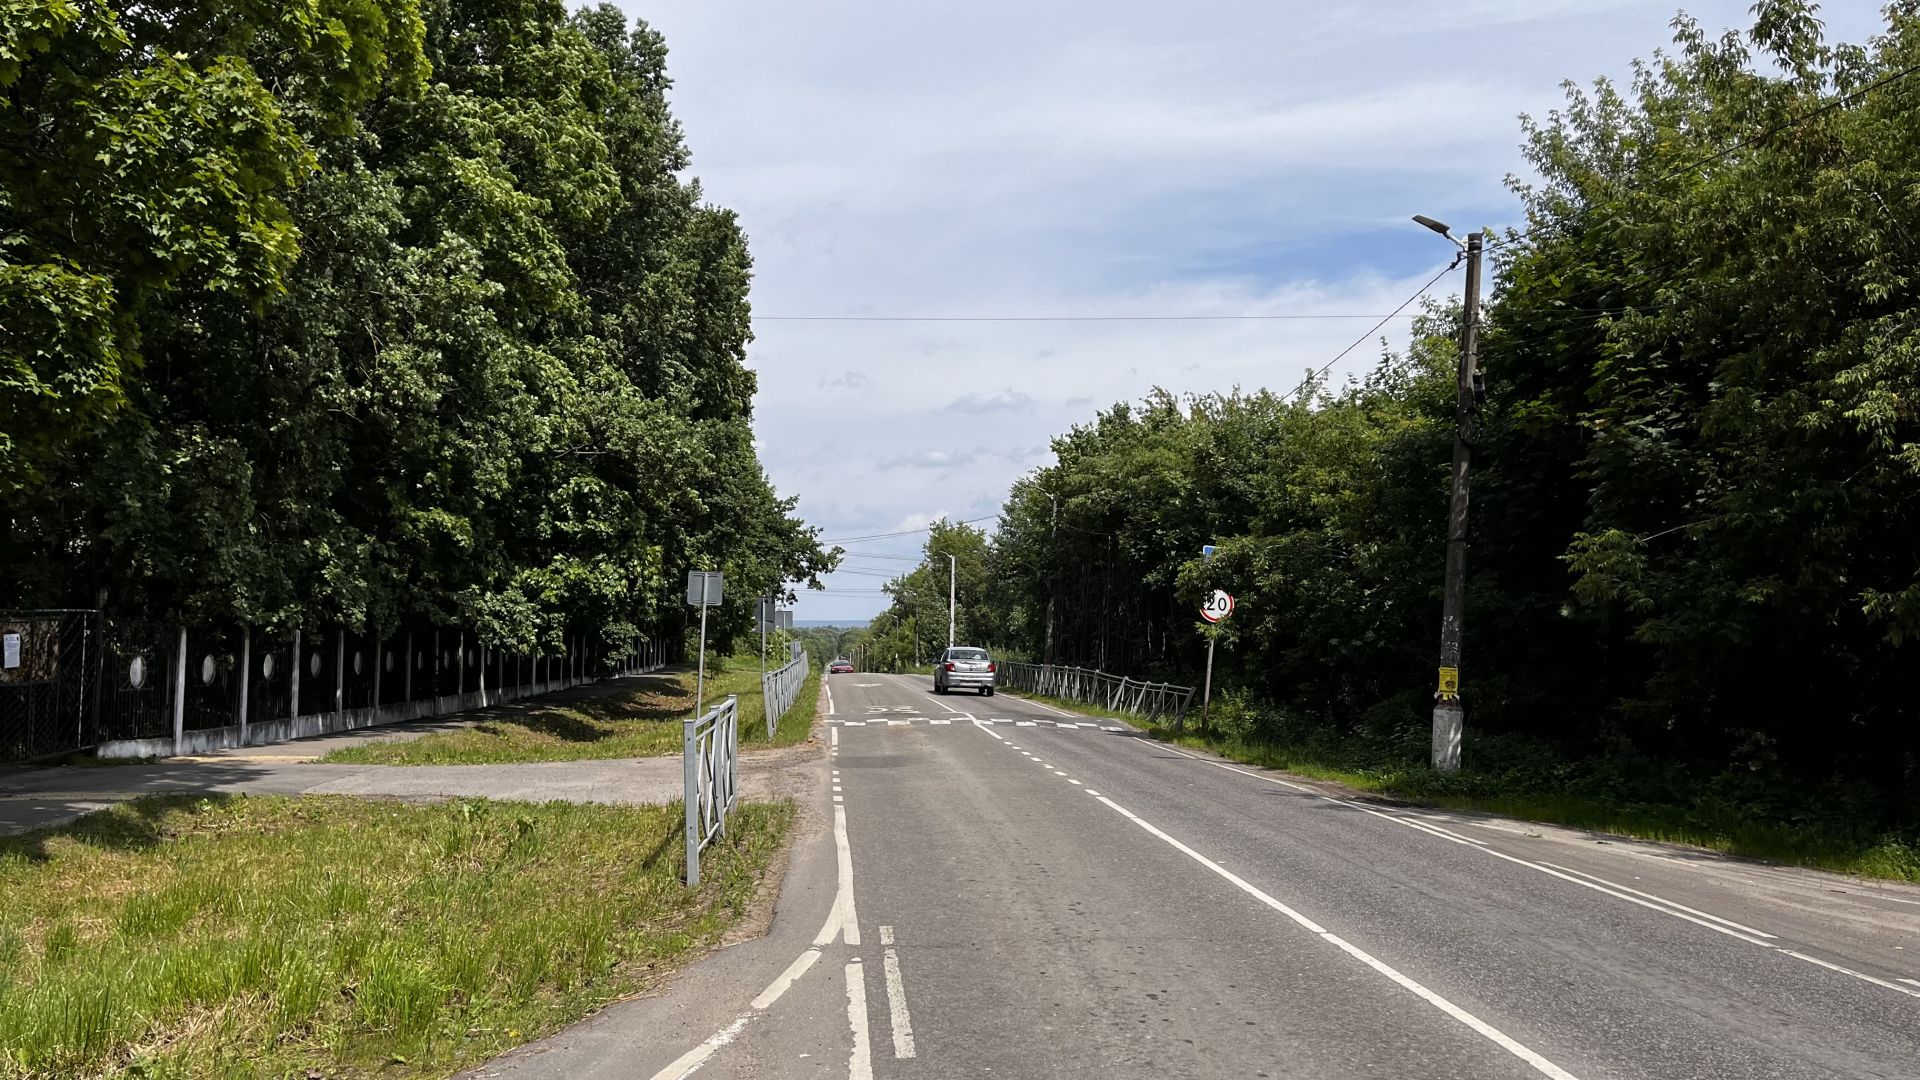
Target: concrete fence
x=221 y=689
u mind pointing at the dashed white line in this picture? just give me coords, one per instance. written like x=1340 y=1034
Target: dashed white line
x=1633 y=896
x=896 y=998
x=835 y=735
x=1481 y=1027
x=860 y=1062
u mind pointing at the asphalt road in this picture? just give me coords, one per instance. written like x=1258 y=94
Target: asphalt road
x=992 y=888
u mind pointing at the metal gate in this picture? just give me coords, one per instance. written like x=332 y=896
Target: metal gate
x=50 y=664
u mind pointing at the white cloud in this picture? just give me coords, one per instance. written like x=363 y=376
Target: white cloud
x=1124 y=157
x=1004 y=400
x=846 y=380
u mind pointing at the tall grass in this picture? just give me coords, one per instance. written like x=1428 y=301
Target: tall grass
x=252 y=937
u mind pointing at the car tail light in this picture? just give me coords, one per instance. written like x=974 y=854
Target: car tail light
x=992 y=667
x=949 y=665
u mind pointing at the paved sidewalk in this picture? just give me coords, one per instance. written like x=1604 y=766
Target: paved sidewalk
x=37 y=798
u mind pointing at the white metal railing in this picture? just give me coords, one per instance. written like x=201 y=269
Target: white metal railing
x=1116 y=693
x=711 y=751
x=780 y=689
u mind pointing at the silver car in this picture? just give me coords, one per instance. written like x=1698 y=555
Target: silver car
x=964 y=667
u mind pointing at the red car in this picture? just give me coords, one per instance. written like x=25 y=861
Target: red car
x=840 y=667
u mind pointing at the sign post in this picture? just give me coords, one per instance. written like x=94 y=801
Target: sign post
x=703 y=591
x=1218 y=606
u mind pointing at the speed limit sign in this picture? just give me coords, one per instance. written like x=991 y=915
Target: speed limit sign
x=1217 y=607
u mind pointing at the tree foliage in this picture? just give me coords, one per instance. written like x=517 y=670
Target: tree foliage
x=1697 y=481
x=382 y=308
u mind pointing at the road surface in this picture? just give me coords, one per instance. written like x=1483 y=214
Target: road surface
x=997 y=889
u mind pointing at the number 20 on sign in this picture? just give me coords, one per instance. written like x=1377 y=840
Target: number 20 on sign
x=1217 y=607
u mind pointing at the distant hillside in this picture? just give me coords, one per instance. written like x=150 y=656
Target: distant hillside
x=833 y=624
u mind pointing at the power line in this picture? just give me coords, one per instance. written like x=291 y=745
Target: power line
x=904 y=532
x=1444 y=271
x=1048 y=318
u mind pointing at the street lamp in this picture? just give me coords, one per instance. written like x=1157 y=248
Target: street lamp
x=1449 y=715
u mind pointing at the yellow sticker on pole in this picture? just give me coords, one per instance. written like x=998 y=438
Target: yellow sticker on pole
x=1449 y=682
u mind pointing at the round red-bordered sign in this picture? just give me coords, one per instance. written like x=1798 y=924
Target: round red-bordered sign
x=1217 y=607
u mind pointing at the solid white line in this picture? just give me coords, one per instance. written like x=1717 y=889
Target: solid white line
x=1042 y=704
x=896 y=998
x=779 y=986
x=688 y=1063
x=1850 y=971
x=942 y=704
x=1915 y=982
x=860 y=1062
x=843 y=918
x=829 y=686
x=1486 y=1030
x=942 y=720
x=1664 y=900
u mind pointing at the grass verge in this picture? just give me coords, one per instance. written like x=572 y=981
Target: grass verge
x=337 y=937
x=638 y=717
x=1705 y=825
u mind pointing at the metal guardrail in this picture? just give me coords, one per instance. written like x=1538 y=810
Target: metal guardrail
x=780 y=689
x=1116 y=693
x=711 y=753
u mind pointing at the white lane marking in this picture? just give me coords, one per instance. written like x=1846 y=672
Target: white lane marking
x=835 y=733
x=841 y=917
x=852 y=723
x=1090 y=791
x=836 y=787
x=860 y=1062
x=942 y=720
x=1849 y=971
x=896 y=998
x=1481 y=1027
x=1086 y=723
x=779 y=986
x=942 y=704
x=837 y=798
x=1042 y=704
x=1663 y=905
x=990 y=731
x=1023 y=723
x=1072 y=781
x=1915 y=982
x=1664 y=900
x=829 y=687
x=689 y=1063
x=1895 y=899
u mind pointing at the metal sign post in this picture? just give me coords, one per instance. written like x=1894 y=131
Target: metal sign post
x=1217 y=608
x=703 y=590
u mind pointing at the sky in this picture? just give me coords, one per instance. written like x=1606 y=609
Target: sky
x=987 y=161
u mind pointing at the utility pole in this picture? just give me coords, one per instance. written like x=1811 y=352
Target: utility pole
x=1449 y=714
x=1053 y=540
x=953 y=572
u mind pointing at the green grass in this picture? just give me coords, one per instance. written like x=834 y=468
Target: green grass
x=628 y=718
x=329 y=936
x=1704 y=824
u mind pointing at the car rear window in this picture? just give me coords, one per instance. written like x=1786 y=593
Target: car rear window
x=966 y=654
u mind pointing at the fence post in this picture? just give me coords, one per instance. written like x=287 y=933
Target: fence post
x=379 y=661
x=340 y=671
x=180 y=692
x=293 y=684
x=246 y=676
x=406 y=665
x=690 y=757
x=483 y=676
x=460 y=664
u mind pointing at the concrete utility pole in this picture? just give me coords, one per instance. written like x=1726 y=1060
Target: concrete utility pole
x=1053 y=534
x=1449 y=715
x=953 y=572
